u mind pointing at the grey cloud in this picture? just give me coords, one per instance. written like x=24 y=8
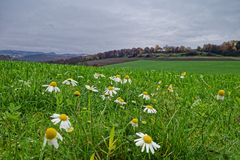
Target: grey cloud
x=80 y=26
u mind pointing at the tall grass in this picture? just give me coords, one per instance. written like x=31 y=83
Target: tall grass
x=189 y=124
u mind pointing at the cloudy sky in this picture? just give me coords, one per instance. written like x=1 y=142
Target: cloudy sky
x=90 y=26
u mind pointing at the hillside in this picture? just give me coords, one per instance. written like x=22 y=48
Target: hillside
x=4 y=57
x=35 y=56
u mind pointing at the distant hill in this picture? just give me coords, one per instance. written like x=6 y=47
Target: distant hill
x=4 y=57
x=36 y=56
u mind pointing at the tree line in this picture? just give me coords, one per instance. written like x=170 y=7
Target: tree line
x=230 y=48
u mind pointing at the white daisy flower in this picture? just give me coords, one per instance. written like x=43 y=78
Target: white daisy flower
x=63 y=118
x=149 y=109
x=120 y=101
x=159 y=82
x=134 y=122
x=51 y=137
x=127 y=79
x=170 y=88
x=116 y=78
x=183 y=75
x=220 y=95
x=145 y=141
x=145 y=95
x=52 y=87
x=70 y=81
x=105 y=96
x=111 y=90
x=98 y=75
x=91 y=88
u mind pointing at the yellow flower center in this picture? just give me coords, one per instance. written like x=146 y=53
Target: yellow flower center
x=119 y=98
x=184 y=73
x=63 y=117
x=149 y=107
x=110 y=88
x=145 y=93
x=70 y=129
x=221 y=92
x=118 y=76
x=134 y=120
x=77 y=93
x=144 y=122
x=127 y=77
x=147 y=139
x=51 y=133
x=53 y=84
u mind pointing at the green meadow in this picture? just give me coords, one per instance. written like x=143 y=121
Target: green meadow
x=181 y=66
x=190 y=123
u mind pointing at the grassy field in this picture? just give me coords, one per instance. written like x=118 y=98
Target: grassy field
x=190 y=123
x=180 y=66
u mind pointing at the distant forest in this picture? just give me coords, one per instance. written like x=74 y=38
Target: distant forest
x=230 y=48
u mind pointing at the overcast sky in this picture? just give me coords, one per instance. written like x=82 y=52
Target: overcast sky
x=91 y=26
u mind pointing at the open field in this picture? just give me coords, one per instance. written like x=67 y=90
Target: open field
x=190 y=123
x=199 y=58
x=109 y=61
x=181 y=66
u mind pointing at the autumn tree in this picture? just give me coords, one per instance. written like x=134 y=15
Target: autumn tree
x=238 y=45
